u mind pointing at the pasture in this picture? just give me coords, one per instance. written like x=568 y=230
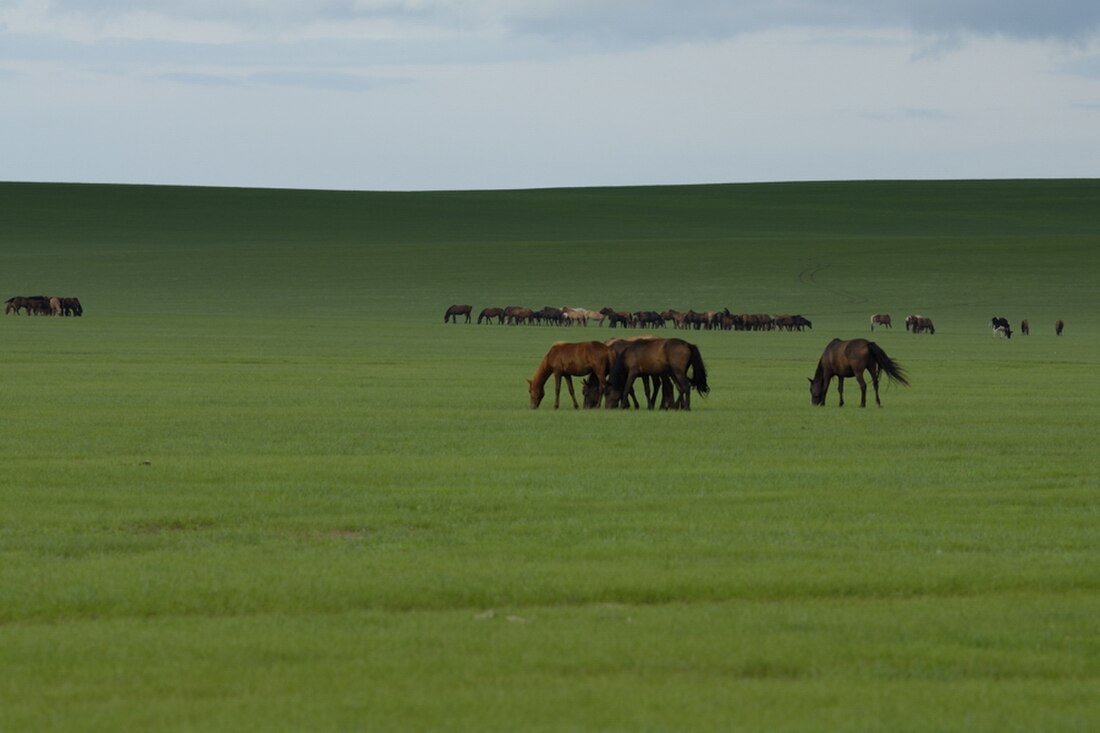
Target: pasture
x=260 y=485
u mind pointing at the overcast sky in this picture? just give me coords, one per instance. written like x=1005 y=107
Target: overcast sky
x=462 y=94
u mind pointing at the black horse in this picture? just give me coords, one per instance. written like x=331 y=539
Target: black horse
x=850 y=359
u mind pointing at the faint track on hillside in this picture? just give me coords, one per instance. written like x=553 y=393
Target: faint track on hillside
x=809 y=275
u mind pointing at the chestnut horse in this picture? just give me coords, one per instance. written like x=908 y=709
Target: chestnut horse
x=570 y=360
x=658 y=358
x=850 y=359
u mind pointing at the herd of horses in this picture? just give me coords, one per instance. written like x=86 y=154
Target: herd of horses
x=43 y=305
x=687 y=320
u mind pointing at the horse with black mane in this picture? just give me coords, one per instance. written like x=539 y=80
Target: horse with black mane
x=658 y=358
x=455 y=311
x=570 y=360
x=843 y=359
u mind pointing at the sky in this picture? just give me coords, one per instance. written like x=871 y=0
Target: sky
x=491 y=94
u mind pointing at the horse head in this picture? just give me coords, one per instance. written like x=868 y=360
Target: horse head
x=537 y=392
x=817 y=387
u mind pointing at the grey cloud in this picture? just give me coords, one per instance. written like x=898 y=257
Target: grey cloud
x=664 y=20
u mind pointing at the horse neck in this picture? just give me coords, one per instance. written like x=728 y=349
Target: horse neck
x=819 y=374
x=543 y=372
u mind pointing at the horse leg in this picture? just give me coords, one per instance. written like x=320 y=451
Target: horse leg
x=874 y=383
x=569 y=384
x=685 y=389
x=839 y=390
x=862 y=389
x=557 y=389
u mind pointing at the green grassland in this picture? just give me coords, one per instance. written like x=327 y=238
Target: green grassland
x=261 y=486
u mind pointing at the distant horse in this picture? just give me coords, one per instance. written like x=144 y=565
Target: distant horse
x=15 y=304
x=574 y=316
x=881 y=319
x=850 y=359
x=658 y=358
x=1058 y=326
x=1000 y=326
x=516 y=314
x=71 y=307
x=617 y=317
x=455 y=311
x=919 y=324
x=488 y=314
x=1025 y=327
x=570 y=360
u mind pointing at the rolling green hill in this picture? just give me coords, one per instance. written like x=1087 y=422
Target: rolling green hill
x=261 y=485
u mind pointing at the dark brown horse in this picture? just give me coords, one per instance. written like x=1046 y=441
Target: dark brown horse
x=850 y=359
x=455 y=311
x=881 y=319
x=1058 y=326
x=658 y=358
x=1025 y=327
x=488 y=314
x=570 y=360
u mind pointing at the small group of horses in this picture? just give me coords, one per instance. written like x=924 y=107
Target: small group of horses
x=572 y=316
x=1001 y=327
x=665 y=365
x=43 y=305
x=913 y=324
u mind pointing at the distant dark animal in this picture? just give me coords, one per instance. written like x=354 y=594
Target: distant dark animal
x=1000 y=327
x=515 y=314
x=881 y=319
x=550 y=315
x=488 y=314
x=1025 y=328
x=455 y=311
x=13 y=305
x=800 y=322
x=1058 y=327
x=919 y=324
x=648 y=319
x=658 y=358
x=570 y=360
x=71 y=307
x=843 y=359
x=614 y=317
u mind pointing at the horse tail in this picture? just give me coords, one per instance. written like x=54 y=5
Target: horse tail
x=616 y=378
x=698 y=372
x=888 y=365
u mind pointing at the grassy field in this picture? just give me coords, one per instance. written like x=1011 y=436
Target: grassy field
x=261 y=486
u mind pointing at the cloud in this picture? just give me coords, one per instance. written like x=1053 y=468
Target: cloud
x=595 y=22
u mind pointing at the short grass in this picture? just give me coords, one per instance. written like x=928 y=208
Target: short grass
x=261 y=486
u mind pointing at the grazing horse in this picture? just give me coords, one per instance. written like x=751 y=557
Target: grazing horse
x=488 y=314
x=881 y=319
x=850 y=359
x=919 y=324
x=658 y=358
x=570 y=360
x=455 y=311
x=1000 y=327
x=1058 y=326
x=1025 y=327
